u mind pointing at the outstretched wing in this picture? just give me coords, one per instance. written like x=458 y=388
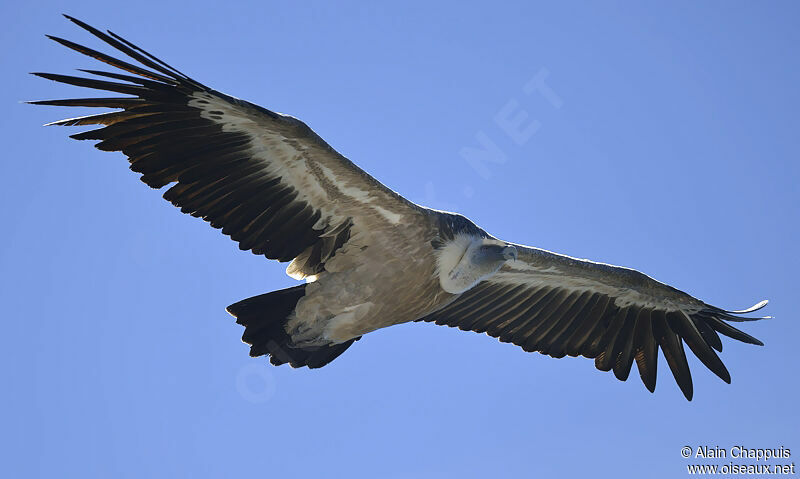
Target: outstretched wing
x=559 y=306
x=265 y=178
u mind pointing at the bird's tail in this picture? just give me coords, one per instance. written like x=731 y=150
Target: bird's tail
x=264 y=319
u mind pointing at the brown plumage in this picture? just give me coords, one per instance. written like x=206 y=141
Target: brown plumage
x=372 y=258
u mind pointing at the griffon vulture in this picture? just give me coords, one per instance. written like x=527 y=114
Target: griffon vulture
x=370 y=257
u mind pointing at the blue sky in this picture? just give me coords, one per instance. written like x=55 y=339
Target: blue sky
x=665 y=138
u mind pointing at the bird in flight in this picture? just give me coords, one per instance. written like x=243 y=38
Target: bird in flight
x=370 y=257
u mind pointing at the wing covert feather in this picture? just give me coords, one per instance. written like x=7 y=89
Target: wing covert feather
x=558 y=305
x=265 y=178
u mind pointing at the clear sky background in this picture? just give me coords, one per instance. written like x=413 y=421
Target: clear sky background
x=667 y=140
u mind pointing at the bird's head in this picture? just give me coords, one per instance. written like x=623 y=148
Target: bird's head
x=494 y=253
x=466 y=261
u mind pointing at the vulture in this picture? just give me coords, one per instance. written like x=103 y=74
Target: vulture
x=371 y=258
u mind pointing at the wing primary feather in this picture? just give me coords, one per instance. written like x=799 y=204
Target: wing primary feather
x=161 y=132
x=119 y=45
x=711 y=336
x=150 y=56
x=99 y=119
x=96 y=84
x=646 y=351
x=623 y=347
x=156 y=85
x=724 y=328
x=673 y=350
x=681 y=323
x=122 y=65
x=606 y=359
x=607 y=329
x=123 y=102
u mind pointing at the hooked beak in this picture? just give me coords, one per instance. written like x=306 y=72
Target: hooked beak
x=510 y=252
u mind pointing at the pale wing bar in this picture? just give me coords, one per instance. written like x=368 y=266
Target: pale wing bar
x=561 y=306
x=170 y=139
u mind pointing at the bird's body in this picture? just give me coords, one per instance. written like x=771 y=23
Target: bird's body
x=371 y=258
x=379 y=280
x=374 y=282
